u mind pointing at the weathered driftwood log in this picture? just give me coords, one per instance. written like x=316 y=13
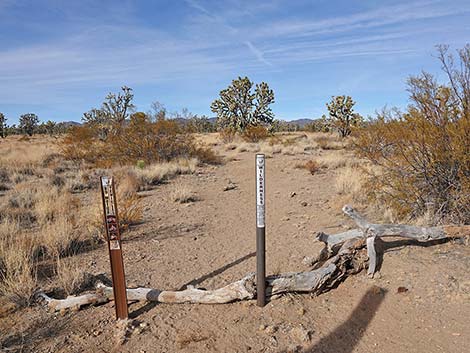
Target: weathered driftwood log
x=72 y=302
x=342 y=255
x=373 y=231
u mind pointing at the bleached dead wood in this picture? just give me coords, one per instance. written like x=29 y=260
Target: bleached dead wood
x=343 y=254
x=371 y=231
x=73 y=302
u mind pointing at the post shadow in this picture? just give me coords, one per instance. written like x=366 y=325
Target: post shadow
x=346 y=336
x=214 y=273
x=150 y=305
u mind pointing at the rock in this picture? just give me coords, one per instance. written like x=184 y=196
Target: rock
x=301 y=334
x=402 y=290
x=230 y=186
x=273 y=341
x=293 y=194
x=294 y=349
x=271 y=329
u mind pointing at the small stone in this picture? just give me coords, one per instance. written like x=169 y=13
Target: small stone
x=402 y=290
x=273 y=341
x=230 y=186
x=293 y=194
x=301 y=334
x=270 y=329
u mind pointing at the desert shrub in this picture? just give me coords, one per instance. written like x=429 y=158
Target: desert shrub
x=424 y=153
x=312 y=166
x=4 y=179
x=4 y=175
x=81 y=145
x=140 y=164
x=255 y=133
x=57 y=180
x=207 y=155
x=227 y=135
x=140 y=140
x=274 y=140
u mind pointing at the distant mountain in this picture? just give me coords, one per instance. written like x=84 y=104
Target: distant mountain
x=301 y=122
x=69 y=123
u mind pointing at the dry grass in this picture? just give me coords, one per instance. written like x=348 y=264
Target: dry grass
x=69 y=276
x=349 y=182
x=290 y=144
x=327 y=141
x=182 y=193
x=40 y=220
x=157 y=173
x=311 y=166
x=18 y=279
x=45 y=216
x=17 y=155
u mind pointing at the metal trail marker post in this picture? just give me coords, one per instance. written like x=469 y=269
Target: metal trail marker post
x=260 y=231
x=113 y=236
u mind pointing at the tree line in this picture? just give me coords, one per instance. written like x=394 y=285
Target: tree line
x=29 y=124
x=240 y=106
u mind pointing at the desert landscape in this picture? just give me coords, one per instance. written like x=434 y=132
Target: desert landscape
x=197 y=228
x=235 y=176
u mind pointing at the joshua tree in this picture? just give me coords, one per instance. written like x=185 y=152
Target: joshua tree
x=114 y=111
x=239 y=107
x=29 y=123
x=342 y=115
x=3 y=125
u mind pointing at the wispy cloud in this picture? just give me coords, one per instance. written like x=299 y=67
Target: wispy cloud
x=68 y=49
x=258 y=53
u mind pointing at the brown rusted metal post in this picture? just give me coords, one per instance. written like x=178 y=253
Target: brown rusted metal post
x=113 y=237
x=260 y=231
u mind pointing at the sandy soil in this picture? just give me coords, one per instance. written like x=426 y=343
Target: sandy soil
x=211 y=242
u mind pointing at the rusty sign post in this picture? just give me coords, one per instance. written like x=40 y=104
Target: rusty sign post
x=113 y=236
x=260 y=231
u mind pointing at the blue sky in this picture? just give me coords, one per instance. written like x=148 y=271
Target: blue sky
x=58 y=58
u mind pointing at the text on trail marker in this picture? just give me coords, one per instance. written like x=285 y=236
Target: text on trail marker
x=113 y=237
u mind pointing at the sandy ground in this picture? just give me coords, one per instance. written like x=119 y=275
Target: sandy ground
x=211 y=242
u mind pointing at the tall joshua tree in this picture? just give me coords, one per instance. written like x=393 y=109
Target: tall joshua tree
x=239 y=106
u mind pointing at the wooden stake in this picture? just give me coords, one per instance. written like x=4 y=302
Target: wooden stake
x=113 y=236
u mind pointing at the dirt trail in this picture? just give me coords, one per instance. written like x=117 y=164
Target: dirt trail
x=211 y=242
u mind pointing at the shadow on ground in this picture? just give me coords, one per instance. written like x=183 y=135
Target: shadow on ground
x=348 y=335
